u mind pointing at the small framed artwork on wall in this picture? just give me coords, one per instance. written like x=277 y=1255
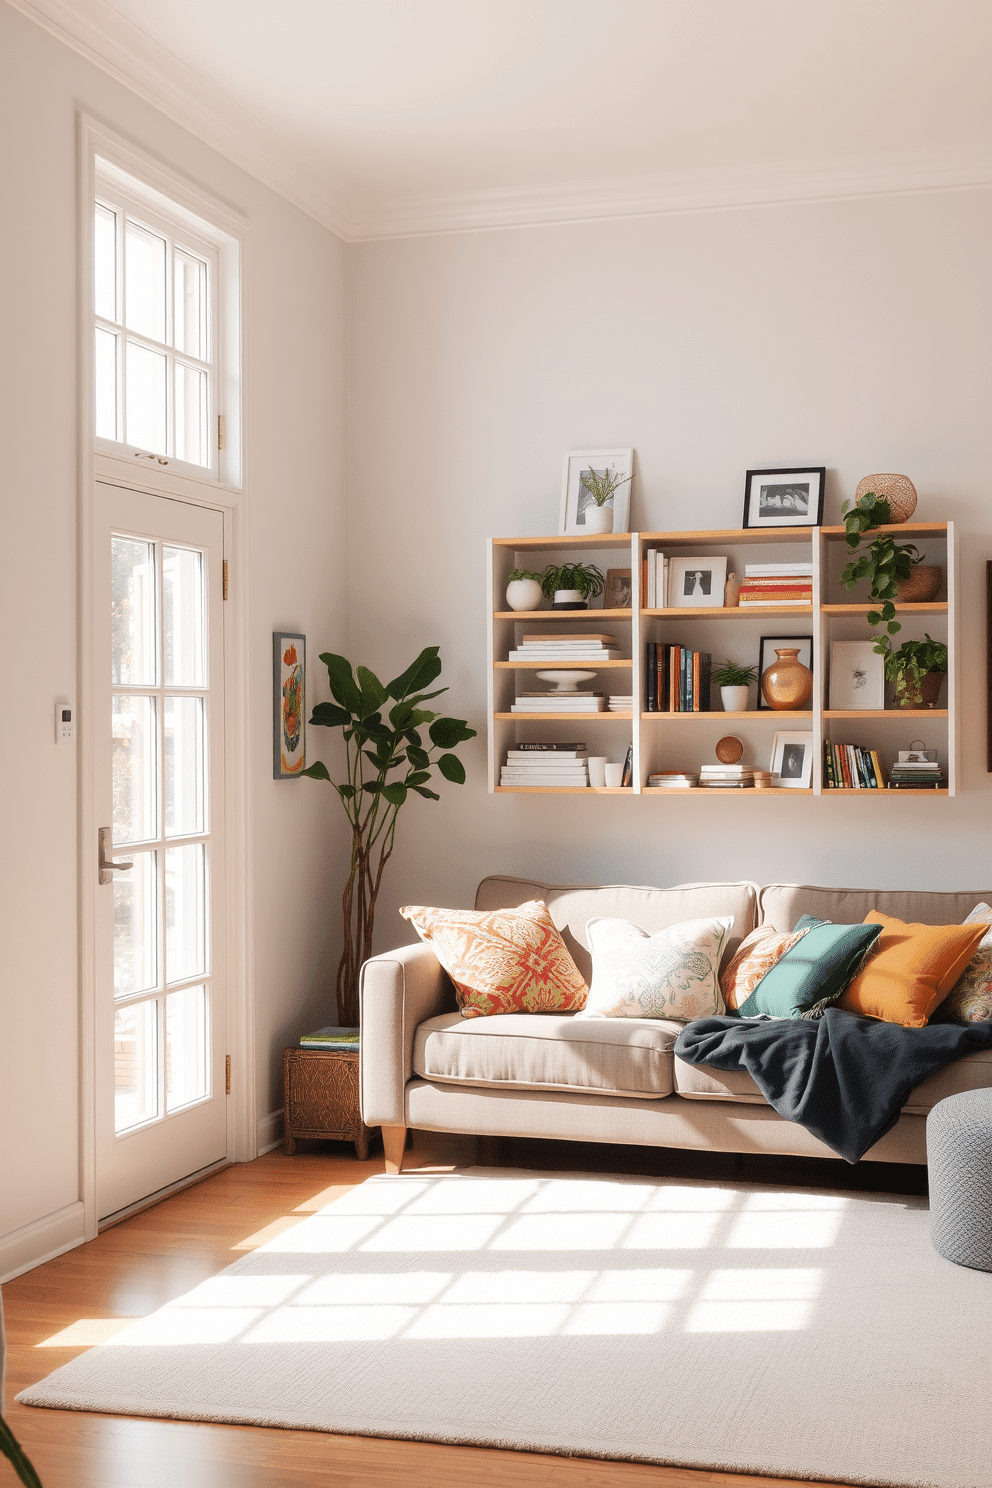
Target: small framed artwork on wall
x=589 y=471
x=289 y=704
x=784 y=498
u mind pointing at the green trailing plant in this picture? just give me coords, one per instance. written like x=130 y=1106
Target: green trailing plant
x=523 y=573
x=885 y=564
x=732 y=675
x=907 y=667
x=387 y=759
x=16 y=1455
x=585 y=577
x=602 y=484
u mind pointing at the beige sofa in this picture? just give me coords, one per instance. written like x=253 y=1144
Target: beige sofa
x=613 y=1079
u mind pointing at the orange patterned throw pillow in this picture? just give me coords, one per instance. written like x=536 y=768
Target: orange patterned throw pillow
x=502 y=960
x=755 y=956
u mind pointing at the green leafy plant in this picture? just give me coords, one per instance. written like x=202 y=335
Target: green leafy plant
x=732 y=675
x=16 y=1455
x=885 y=564
x=585 y=577
x=602 y=484
x=380 y=740
x=907 y=667
x=523 y=573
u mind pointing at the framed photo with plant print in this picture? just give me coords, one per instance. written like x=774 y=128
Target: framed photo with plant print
x=784 y=498
x=792 y=760
x=766 y=658
x=587 y=474
x=289 y=704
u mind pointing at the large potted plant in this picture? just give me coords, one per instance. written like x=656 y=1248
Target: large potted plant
x=917 y=669
x=386 y=758
x=570 y=586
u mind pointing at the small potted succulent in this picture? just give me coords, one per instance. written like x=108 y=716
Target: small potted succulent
x=523 y=590
x=734 y=683
x=917 y=669
x=601 y=485
x=570 y=586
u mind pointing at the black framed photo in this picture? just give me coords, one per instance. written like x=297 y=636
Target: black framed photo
x=766 y=656
x=784 y=498
x=289 y=704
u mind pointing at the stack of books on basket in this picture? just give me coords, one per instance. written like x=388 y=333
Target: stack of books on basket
x=776 y=584
x=589 y=646
x=678 y=679
x=916 y=775
x=849 y=767
x=726 y=777
x=559 y=702
x=673 y=780
x=546 y=765
x=340 y=1039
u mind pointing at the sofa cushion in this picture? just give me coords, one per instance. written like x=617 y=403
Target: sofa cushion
x=781 y=905
x=970 y=999
x=670 y=974
x=654 y=909
x=756 y=955
x=550 y=1051
x=812 y=972
x=702 y=1082
x=911 y=970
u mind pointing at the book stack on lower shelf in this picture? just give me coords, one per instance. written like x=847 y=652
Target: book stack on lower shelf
x=546 y=765
x=559 y=702
x=916 y=775
x=340 y=1039
x=850 y=767
x=776 y=584
x=588 y=646
x=678 y=679
x=672 y=780
x=621 y=702
x=726 y=777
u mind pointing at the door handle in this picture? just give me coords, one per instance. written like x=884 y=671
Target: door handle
x=109 y=866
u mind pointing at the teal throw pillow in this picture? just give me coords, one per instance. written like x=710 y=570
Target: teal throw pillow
x=813 y=973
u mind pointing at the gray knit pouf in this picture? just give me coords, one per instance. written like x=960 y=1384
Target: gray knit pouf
x=959 y=1161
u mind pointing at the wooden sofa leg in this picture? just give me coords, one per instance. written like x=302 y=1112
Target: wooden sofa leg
x=393 y=1144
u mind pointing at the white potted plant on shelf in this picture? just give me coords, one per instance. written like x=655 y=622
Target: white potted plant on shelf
x=734 y=683
x=601 y=485
x=523 y=590
x=570 y=586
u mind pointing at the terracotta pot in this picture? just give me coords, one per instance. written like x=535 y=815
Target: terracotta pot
x=787 y=683
x=898 y=491
x=928 y=694
x=923 y=584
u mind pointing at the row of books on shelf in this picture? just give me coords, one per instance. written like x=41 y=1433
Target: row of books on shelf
x=678 y=679
x=852 y=767
x=554 y=765
x=588 y=646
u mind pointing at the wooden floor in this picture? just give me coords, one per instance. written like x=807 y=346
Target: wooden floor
x=138 y=1265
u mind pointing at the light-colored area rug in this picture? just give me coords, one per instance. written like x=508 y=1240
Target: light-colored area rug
x=799 y=1334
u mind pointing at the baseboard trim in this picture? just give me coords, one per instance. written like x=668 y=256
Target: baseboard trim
x=269 y=1132
x=41 y=1241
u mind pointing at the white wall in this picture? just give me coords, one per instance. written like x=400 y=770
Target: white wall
x=295 y=473
x=854 y=334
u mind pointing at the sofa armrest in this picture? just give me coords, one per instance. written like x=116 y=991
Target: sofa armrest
x=399 y=990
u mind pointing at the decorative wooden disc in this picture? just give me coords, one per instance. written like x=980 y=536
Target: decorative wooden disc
x=729 y=750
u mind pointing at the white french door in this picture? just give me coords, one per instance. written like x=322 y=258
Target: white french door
x=160 y=982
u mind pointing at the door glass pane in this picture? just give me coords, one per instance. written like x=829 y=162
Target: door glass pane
x=132 y=571
x=135 y=1064
x=185 y=1047
x=145 y=382
x=185 y=786
x=185 y=912
x=183 y=600
x=136 y=927
x=144 y=279
x=191 y=305
x=105 y=263
x=135 y=776
x=106 y=384
x=191 y=415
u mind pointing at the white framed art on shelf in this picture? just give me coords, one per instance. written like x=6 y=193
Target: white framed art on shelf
x=857 y=676
x=576 y=500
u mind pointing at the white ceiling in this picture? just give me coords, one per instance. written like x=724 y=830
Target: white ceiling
x=385 y=117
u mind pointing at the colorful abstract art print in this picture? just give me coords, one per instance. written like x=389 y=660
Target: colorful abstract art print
x=289 y=703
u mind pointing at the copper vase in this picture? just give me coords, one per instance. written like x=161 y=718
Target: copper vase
x=787 y=683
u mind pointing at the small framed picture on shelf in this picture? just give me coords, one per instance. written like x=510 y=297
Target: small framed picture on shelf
x=618 y=589
x=289 y=704
x=766 y=657
x=792 y=761
x=588 y=473
x=784 y=498
x=696 y=583
x=857 y=676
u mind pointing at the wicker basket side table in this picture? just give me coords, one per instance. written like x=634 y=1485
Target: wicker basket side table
x=320 y=1098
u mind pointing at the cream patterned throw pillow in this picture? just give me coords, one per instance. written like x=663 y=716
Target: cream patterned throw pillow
x=970 y=999
x=671 y=974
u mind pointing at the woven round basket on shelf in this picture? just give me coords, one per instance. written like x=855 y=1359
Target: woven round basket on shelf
x=898 y=491
x=922 y=585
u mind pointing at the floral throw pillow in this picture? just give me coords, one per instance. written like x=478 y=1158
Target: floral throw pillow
x=502 y=960
x=970 y=999
x=753 y=959
x=671 y=974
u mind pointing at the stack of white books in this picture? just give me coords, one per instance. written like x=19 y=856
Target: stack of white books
x=726 y=777
x=656 y=580
x=673 y=780
x=559 y=702
x=546 y=764
x=621 y=702
x=589 y=646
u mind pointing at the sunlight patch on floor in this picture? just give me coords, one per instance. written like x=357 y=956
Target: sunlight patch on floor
x=85 y=1332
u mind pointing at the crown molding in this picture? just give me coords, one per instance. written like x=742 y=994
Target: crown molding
x=139 y=63
x=121 y=49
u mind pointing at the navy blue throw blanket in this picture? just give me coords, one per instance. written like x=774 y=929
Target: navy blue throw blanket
x=843 y=1077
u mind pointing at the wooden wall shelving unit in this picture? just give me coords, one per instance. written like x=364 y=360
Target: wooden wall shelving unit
x=685 y=740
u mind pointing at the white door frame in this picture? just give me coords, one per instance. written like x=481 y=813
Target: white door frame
x=231 y=501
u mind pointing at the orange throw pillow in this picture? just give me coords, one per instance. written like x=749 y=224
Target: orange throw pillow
x=911 y=970
x=503 y=960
